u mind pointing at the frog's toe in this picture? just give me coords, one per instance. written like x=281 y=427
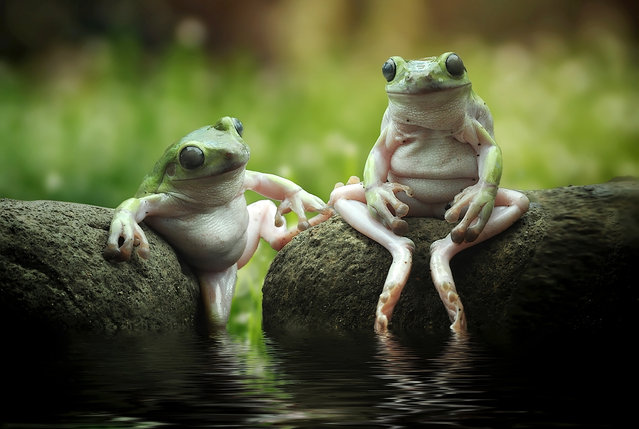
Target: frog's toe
x=401 y=210
x=111 y=253
x=458 y=235
x=471 y=234
x=381 y=324
x=114 y=253
x=399 y=226
x=303 y=225
x=459 y=324
x=144 y=251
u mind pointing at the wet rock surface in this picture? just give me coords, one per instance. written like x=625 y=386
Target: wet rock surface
x=564 y=268
x=54 y=279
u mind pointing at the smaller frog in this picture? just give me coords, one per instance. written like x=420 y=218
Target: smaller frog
x=436 y=156
x=194 y=198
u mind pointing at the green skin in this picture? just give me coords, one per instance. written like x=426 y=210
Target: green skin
x=435 y=157
x=194 y=198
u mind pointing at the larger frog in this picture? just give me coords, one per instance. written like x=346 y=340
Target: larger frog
x=436 y=156
x=194 y=198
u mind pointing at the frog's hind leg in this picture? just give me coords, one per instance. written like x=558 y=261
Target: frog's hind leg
x=217 y=290
x=357 y=215
x=509 y=206
x=262 y=225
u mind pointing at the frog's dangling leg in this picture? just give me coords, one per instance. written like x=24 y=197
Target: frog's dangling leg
x=441 y=252
x=509 y=206
x=262 y=225
x=357 y=215
x=217 y=290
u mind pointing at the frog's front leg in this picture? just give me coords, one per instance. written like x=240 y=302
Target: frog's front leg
x=125 y=232
x=217 y=290
x=350 y=202
x=510 y=206
x=292 y=196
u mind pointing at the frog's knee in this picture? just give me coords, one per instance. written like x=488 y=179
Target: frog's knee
x=523 y=203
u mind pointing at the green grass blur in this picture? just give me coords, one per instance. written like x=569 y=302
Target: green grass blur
x=87 y=124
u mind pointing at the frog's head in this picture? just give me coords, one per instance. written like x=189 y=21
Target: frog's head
x=425 y=75
x=203 y=158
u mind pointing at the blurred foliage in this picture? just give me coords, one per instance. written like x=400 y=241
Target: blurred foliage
x=85 y=112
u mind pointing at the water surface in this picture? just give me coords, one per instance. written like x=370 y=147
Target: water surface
x=312 y=380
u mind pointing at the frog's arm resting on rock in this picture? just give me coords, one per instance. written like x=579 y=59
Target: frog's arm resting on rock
x=125 y=226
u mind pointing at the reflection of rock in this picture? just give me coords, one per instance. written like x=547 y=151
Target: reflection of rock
x=53 y=276
x=564 y=267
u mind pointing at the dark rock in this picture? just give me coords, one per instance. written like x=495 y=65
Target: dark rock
x=53 y=278
x=564 y=268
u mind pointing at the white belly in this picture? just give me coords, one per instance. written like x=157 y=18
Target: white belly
x=211 y=241
x=436 y=169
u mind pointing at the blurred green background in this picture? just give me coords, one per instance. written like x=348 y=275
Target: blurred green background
x=92 y=92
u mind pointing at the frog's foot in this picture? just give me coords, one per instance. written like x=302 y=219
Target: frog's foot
x=454 y=306
x=261 y=225
x=385 y=206
x=125 y=234
x=441 y=251
x=217 y=290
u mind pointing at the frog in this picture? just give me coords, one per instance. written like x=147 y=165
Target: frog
x=436 y=156
x=194 y=198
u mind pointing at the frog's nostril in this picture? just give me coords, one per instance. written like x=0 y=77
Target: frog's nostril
x=228 y=155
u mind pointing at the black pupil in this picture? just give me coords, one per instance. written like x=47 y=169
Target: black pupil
x=389 y=69
x=191 y=157
x=239 y=127
x=455 y=65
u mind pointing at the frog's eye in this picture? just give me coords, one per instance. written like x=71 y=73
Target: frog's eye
x=238 y=126
x=455 y=65
x=191 y=157
x=389 y=69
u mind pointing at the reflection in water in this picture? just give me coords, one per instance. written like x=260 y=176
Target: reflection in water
x=443 y=388
x=298 y=380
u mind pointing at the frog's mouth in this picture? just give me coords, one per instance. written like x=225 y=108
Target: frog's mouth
x=429 y=90
x=227 y=170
